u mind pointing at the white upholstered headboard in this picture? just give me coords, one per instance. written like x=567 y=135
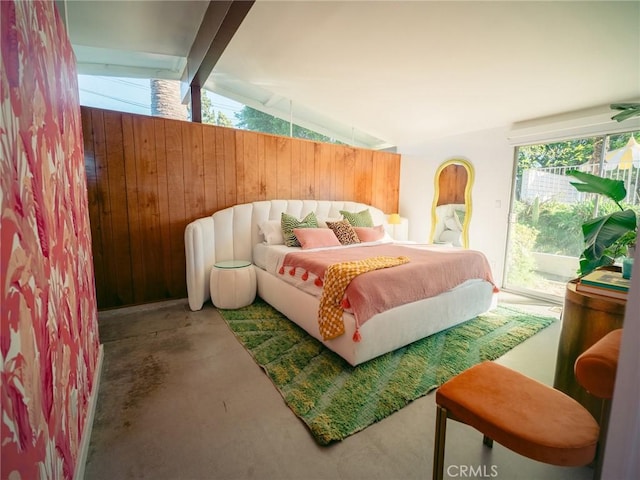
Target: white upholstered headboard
x=230 y=234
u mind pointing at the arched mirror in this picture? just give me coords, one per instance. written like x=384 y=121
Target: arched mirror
x=451 y=209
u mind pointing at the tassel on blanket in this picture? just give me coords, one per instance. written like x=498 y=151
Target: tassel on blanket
x=345 y=303
x=318 y=282
x=356 y=335
x=496 y=289
x=281 y=271
x=305 y=276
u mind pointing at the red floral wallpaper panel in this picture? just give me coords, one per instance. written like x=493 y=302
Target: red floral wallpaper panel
x=49 y=341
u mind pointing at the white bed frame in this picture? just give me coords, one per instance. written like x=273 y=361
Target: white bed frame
x=230 y=234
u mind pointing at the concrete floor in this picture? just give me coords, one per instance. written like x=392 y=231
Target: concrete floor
x=180 y=398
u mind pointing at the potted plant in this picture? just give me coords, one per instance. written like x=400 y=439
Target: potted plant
x=606 y=237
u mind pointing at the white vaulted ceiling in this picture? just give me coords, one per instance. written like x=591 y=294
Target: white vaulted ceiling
x=402 y=72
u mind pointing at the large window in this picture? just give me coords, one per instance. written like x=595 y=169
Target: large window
x=131 y=95
x=251 y=119
x=162 y=98
x=153 y=97
x=547 y=212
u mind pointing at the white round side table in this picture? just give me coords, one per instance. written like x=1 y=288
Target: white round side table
x=233 y=284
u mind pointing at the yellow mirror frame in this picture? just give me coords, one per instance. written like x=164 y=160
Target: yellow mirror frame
x=467 y=197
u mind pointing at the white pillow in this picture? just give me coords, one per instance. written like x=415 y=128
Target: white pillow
x=449 y=236
x=272 y=232
x=452 y=223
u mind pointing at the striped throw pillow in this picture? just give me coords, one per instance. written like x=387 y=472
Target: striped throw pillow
x=289 y=222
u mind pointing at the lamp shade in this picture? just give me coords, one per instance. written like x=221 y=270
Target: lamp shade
x=394 y=219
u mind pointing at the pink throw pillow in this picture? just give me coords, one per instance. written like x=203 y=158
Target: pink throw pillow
x=316 y=237
x=370 y=234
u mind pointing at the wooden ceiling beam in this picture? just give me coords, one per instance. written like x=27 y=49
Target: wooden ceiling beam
x=219 y=24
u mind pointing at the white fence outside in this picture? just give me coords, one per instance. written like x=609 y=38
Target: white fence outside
x=552 y=183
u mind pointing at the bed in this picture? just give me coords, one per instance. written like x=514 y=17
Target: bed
x=237 y=233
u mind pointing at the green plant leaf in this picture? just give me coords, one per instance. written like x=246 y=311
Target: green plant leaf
x=602 y=232
x=627 y=110
x=614 y=189
x=588 y=266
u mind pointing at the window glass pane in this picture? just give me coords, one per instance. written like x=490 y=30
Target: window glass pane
x=545 y=229
x=251 y=119
x=162 y=98
x=131 y=95
x=166 y=100
x=219 y=110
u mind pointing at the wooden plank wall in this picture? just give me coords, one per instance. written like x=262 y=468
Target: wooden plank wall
x=149 y=177
x=452 y=184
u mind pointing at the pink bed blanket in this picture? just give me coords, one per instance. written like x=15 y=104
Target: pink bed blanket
x=428 y=273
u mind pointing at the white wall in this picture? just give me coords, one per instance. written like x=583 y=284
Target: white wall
x=492 y=158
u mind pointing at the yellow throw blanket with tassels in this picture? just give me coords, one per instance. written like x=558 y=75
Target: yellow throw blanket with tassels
x=336 y=280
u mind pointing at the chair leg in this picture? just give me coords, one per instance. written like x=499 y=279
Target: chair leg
x=487 y=441
x=438 y=446
x=604 y=426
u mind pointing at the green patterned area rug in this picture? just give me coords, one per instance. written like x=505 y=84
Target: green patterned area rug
x=336 y=400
